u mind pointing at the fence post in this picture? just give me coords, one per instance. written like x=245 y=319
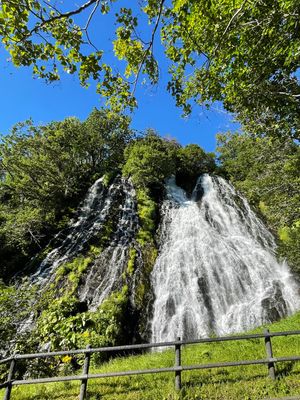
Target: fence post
x=178 y=364
x=85 y=371
x=269 y=351
x=9 y=379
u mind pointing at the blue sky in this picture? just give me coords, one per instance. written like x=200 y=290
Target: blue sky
x=24 y=97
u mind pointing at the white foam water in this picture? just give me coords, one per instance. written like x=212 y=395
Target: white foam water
x=216 y=270
x=105 y=276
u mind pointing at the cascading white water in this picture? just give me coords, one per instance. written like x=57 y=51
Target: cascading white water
x=100 y=206
x=216 y=270
x=91 y=215
x=106 y=273
x=115 y=205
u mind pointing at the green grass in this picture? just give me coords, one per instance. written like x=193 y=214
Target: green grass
x=236 y=383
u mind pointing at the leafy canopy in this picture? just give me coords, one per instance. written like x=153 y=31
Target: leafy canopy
x=192 y=161
x=150 y=160
x=244 y=53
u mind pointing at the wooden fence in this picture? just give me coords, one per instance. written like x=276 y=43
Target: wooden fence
x=177 y=369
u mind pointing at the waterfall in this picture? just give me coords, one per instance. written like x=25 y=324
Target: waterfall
x=106 y=273
x=71 y=241
x=216 y=271
x=115 y=205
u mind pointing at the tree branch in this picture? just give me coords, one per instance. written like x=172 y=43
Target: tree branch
x=85 y=29
x=91 y=15
x=150 y=46
x=64 y=15
x=289 y=94
x=229 y=25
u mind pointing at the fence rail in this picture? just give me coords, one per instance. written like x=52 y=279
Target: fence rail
x=177 y=369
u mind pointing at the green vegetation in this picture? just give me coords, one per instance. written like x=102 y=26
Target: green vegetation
x=132 y=257
x=266 y=170
x=66 y=325
x=149 y=160
x=147 y=211
x=249 y=382
x=15 y=305
x=243 y=53
x=64 y=321
x=61 y=320
x=192 y=161
x=45 y=172
x=74 y=269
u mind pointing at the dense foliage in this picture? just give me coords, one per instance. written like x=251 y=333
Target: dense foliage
x=46 y=170
x=266 y=170
x=192 y=161
x=15 y=305
x=243 y=53
x=150 y=159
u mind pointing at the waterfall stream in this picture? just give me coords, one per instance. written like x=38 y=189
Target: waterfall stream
x=115 y=205
x=106 y=273
x=216 y=271
x=71 y=241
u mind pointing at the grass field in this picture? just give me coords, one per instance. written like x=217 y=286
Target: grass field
x=234 y=383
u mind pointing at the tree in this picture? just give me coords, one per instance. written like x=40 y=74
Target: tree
x=45 y=172
x=52 y=163
x=149 y=160
x=266 y=170
x=105 y=136
x=192 y=161
x=243 y=53
x=248 y=62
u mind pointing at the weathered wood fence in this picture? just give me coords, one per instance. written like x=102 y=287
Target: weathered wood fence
x=177 y=369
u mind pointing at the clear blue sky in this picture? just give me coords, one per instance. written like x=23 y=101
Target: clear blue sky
x=23 y=97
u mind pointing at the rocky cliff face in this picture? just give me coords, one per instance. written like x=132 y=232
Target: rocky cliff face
x=97 y=258
x=215 y=272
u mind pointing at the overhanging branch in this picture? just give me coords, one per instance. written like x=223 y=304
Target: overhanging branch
x=65 y=15
x=150 y=46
